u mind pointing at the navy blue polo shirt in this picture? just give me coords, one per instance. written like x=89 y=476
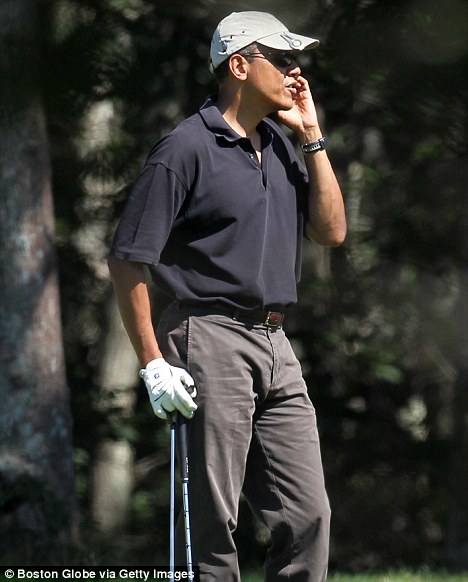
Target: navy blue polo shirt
x=212 y=223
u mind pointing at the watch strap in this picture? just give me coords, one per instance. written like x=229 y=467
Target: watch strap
x=315 y=146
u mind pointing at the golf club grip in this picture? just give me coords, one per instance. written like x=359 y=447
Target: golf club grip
x=182 y=447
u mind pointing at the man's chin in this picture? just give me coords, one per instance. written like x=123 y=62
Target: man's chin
x=285 y=107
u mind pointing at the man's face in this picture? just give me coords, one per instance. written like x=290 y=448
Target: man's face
x=272 y=77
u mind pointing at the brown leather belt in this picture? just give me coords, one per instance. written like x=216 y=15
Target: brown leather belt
x=268 y=318
x=272 y=319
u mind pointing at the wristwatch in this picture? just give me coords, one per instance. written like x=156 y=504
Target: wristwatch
x=315 y=146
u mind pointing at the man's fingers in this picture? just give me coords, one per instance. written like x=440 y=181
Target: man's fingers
x=184 y=403
x=160 y=413
x=190 y=388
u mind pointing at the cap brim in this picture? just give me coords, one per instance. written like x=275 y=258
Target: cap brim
x=288 y=41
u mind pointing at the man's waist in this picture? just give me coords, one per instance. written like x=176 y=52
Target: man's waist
x=270 y=316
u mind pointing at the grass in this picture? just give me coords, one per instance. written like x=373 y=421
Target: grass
x=400 y=577
x=396 y=576
x=403 y=576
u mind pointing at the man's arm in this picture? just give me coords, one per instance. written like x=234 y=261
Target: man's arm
x=326 y=223
x=166 y=385
x=327 y=220
x=132 y=294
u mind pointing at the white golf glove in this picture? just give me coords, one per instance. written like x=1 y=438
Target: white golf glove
x=167 y=388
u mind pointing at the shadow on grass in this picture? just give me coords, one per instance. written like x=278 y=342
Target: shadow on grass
x=395 y=576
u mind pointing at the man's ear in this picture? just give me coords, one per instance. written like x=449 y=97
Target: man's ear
x=238 y=66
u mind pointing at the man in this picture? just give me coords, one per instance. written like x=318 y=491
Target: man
x=218 y=215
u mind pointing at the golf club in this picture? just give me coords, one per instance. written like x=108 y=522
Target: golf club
x=183 y=460
x=172 y=497
x=179 y=446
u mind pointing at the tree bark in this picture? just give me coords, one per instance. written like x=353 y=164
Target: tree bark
x=37 y=494
x=113 y=472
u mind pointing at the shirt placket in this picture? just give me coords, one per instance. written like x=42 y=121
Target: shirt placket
x=248 y=148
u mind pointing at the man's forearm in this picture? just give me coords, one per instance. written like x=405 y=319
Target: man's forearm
x=327 y=220
x=132 y=295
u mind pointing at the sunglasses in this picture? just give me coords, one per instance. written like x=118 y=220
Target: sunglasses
x=282 y=60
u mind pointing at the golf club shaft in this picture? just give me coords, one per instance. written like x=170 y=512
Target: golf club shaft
x=172 y=499
x=184 y=476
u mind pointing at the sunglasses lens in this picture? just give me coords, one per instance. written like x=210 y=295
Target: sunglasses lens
x=281 y=59
x=284 y=60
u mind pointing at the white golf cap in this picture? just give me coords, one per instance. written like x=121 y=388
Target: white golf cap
x=240 y=29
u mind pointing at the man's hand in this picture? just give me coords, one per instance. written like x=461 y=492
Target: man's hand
x=167 y=388
x=302 y=117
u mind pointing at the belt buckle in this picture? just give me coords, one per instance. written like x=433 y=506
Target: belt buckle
x=274 y=319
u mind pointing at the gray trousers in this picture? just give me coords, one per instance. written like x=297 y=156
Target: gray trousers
x=254 y=432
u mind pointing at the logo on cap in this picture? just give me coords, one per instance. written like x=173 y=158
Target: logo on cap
x=293 y=42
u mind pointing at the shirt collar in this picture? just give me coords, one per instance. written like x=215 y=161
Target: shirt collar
x=216 y=123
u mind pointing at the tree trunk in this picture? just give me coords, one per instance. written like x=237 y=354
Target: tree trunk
x=37 y=495
x=112 y=477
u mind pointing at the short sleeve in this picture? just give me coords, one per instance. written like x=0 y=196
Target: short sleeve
x=148 y=216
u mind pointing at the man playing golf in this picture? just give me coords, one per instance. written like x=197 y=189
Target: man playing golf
x=218 y=216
